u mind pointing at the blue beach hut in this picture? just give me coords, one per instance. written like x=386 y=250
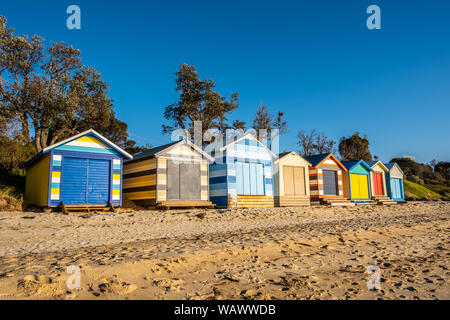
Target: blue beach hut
x=242 y=174
x=83 y=170
x=394 y=182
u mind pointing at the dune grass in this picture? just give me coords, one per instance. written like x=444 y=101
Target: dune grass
x=10 y=199
x=414 y=191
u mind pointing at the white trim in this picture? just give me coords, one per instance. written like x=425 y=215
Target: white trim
x=190 y=144
x=382 y=165
x=126 y=154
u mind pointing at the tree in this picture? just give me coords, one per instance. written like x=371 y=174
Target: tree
x=280 y=123
x=262 y=121
x=354 y=148
x=238 y=125
x=197 y=102
x=51 y=90
x=264 y=125
x=314 y=143
x=443 y=169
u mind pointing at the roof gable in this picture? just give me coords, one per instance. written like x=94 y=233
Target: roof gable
x=320 y=159
x=165 y=150
x=378 y=166
x=295 y=154
x=394 y=170
x=89 y=141
x=248 y=136
x=350 y=165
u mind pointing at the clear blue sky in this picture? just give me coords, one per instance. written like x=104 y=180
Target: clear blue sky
x=314 y=60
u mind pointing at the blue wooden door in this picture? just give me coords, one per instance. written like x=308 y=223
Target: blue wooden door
x=396 y=189
x=74 y=182
x=98 y=182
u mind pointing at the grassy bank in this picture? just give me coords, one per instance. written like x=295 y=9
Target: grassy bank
x=414 y=191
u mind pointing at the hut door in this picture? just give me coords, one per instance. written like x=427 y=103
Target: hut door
x=294 y=180
x=74 y=180
x=329 y=182
x=299 y=181
x=85 y=181
x=190 y=184
x=378 y=184
x=183 y=181
x=98 y=182
x=396 y=189
x=288 y=176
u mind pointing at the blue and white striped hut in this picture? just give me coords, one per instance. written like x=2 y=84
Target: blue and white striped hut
x=242 y=174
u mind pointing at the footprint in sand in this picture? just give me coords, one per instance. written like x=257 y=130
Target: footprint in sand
x=116 y=286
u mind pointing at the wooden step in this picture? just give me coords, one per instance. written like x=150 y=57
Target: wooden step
x=85 y=208
x=185 y=204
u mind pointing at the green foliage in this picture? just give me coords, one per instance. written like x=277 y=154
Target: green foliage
x=198 y=102
x=443 y=169
x=50 y=91
x=314 y=143
x=443 y=190
x=414 y=191
x=354 y=148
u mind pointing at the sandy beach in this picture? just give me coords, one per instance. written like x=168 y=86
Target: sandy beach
x=258 y=253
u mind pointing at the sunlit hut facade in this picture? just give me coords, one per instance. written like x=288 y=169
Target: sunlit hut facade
x=394 y=182
x=325 y=179
x=291 y=180
x=174 y=175
x=242 y=171
x=378 y=179
x=356 y=181
x=85 y=169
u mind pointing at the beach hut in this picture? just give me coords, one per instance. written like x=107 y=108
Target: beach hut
x=378 y=182
x=291 y=180
x=173 y=175
x=241 y=175
x=394 y=182
x=356 y=181
x=83 y=171
x=325 y=179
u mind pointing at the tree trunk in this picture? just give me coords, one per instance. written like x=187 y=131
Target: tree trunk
x=25 y=128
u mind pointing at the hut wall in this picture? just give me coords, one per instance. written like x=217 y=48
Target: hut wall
x=139 y=181
x=37 y=182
